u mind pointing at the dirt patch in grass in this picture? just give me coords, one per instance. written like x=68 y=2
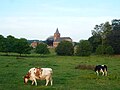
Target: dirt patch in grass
x=85 y=67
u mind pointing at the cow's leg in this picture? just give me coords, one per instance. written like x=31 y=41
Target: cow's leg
x=47 y=81
x=105 y=72
x=102 y=73
x=35 y=81
x=97 y=72
x=51 y=81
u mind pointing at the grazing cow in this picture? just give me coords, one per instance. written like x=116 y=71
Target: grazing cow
x=101 y=69
x=39 y=74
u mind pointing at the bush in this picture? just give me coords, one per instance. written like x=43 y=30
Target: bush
x=104 y=50
x=84 y=48
x=65 y=48
x=100 y=50
x=42 y=49
x=109 y=50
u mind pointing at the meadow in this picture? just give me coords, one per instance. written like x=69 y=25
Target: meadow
x=65 y=76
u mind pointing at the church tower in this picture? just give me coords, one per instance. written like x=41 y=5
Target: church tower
x=56 y=35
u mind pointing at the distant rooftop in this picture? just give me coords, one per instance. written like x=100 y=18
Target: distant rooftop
x=62 y=39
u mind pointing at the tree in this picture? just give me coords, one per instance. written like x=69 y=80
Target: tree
x=2 y=43
x=113 y=39
x=102 y=49
x=42 y=49
x=65 y=48
x=100 y=31
x=9 y=44
x=116 y=24
x=109 y=50
x=95 y=41
x=84 y=48
x=22 y=46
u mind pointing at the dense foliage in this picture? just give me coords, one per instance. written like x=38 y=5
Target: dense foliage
x=42 y=49
x=95 y=41
x=113 y=39
x=84 y=48
x=65 y=48
x=22 y=47
x=105 y=38
x=2 y=43
x=14 y=45
x=102 y=49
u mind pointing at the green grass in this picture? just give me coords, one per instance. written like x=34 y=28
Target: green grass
x=65 y=76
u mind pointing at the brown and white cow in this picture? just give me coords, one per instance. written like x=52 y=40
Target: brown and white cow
x=39 y=74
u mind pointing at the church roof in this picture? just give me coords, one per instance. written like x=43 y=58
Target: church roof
x=62 y=39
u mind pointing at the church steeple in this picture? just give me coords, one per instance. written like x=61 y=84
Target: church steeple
x=56 y=34
x=57 y=31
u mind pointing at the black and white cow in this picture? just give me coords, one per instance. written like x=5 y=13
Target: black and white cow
x=101 y=69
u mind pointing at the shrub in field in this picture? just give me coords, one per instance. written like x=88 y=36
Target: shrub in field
x=109 y=50
x=84 y=48
x=65 y=48
x=21 y=46
x=102 y=49
x=42 y=49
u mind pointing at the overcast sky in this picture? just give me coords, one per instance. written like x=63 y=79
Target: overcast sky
x=39 y=19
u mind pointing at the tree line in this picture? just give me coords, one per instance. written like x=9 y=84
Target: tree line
x=10 y=44
x=105 y=39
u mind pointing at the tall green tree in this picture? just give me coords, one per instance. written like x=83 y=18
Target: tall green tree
x=113 y=39
x=65 y=48
x=2 y=43
x=84 y=48
x=99 y=34
x=22 y=46
x=102 y=30
x=42 y=49
x=9 y=44
x=95 y=41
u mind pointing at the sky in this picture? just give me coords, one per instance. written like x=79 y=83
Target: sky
x=39 y=19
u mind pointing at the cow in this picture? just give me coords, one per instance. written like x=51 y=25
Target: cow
x=39 y=74
x=101 y=69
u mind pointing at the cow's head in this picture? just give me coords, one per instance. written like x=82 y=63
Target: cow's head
x=26 y=77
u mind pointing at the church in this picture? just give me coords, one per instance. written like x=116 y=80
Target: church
x=58 y=39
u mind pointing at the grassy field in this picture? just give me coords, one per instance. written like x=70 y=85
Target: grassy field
x=65 y=76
